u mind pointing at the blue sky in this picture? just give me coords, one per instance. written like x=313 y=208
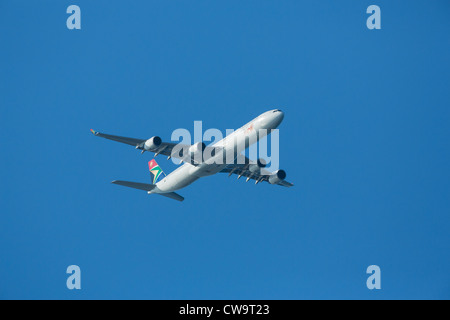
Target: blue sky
x=365 y=140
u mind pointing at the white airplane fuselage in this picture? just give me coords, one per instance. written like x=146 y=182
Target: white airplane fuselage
x=188 y=173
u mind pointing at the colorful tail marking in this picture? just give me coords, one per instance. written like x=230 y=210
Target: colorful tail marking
x=155 y=170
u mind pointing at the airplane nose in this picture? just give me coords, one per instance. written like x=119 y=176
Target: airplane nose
x=278 y=116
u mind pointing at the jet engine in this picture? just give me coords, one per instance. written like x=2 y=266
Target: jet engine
x=256 y=167
x=152 y=143
x=277 y=177
x=196 y=148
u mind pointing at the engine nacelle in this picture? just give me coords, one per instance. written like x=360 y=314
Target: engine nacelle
x=256 y=167
x=277 y=177
x=152 y=143
x=196 y=148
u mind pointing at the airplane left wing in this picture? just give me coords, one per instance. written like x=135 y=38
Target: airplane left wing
x=251 y=171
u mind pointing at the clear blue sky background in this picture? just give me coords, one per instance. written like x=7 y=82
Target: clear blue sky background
x=365 y=140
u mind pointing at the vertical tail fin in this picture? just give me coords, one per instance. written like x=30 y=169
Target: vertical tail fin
x=155 y=170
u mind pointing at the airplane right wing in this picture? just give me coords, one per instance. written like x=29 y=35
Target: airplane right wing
x=156 y=145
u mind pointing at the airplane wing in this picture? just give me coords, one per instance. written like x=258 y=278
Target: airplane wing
x=156 y=145
x=164 y=148
x=243 y=170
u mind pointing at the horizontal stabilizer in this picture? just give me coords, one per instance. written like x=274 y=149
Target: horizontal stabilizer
x=135 y=185
x=147 y=187
x=172 y=195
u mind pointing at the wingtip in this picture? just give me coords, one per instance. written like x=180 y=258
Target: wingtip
x=94 y=132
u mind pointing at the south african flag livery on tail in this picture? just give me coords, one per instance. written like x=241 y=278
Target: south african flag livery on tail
x=155 y=170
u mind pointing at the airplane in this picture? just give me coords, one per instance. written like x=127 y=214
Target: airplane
x=197 y=164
